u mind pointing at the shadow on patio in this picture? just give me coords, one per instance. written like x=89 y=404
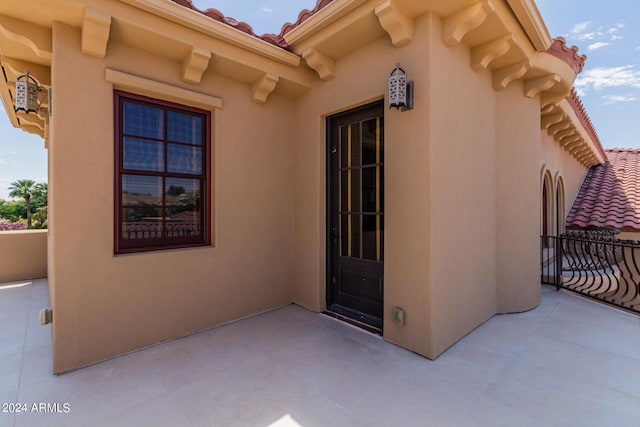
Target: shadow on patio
x=570 y=362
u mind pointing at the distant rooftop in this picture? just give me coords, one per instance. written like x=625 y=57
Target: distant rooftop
x=610 y=194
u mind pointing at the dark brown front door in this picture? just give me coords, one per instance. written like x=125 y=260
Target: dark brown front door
x=355 y=232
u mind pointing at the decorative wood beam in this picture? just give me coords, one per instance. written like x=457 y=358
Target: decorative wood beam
x=503 y=76
x=571 y=140
x=552 y=99
x=554 y=129
x=551 y=119
x=534 y=86
x=322 y=64
x=195 y=64
x=483 y=55
x=263 y=87
x=15 y=67
x=95 y=33
x=395 y=22
x=456 y=26
x=565 y=133
x=32 y=36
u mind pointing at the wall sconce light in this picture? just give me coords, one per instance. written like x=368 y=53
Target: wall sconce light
x=400 y=91
x=28 y=95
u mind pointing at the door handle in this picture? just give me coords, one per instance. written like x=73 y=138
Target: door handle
x=334 y=234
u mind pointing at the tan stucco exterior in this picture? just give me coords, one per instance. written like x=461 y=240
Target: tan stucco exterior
x=462 y=169
x=23 y=255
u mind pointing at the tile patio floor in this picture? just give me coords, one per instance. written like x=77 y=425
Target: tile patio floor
x=569 y=362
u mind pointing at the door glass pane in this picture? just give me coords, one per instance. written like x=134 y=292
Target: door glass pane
x=369 y=240
x=369 y=189
x=141 y=190
x=356 y=190
x=344 y=147
x=344 y=191
x=356 y=236
x=356 y=146
x=344 y=235
x=369 y=141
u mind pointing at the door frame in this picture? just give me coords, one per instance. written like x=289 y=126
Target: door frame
x=369 y=323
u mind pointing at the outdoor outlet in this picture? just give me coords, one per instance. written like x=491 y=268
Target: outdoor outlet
x=398 y=316
x=46 y=316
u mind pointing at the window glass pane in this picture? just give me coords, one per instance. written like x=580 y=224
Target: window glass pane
x=141 y=190
x=344 y=191
x=143 y=120
x=369 y=190
x=182 y=192
x=182 y=222
x=142 y=154
x=344 y=234
x=369 y=142
x=184 y=159
x=141 y=223
x=185 y=128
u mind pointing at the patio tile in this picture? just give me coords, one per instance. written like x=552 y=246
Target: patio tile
x=10 y=373
x=486 y=412
x=563 y=363
x=562 y=399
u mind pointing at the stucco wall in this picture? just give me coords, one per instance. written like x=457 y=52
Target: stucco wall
x=406 y=186
x=106 y=305
x=23 y=255
x=560 y=164
x=463 y=203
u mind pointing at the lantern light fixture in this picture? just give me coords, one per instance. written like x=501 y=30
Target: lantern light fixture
x=400 y=90
x=30 y=95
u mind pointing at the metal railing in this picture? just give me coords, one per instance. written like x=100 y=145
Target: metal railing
x=596 y=265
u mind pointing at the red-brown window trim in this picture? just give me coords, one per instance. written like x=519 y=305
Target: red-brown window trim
x=205 y=191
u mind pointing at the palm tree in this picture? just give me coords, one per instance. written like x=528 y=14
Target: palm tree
x=23 y=189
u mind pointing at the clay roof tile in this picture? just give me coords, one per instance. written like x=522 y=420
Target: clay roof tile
x=610 y=194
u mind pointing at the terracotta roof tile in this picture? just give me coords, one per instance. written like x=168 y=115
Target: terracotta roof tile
x=274 y=39
x=610 y=194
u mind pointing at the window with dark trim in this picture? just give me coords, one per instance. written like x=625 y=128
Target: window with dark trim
x=162 y=179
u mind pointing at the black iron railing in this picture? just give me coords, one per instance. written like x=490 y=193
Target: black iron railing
x=596 y=265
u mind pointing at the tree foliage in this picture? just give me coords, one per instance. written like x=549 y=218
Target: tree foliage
x=32 y=197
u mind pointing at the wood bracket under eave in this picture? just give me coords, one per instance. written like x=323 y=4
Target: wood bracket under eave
x=195 y=64
x=262 y=88
x=554 y=129
x=483 y=55
x=96 y=27
x=569 y=132
x=572 y=142
x=456 y=26
x=534 y=86
x=548 y=99
x=395 y=22
x=34 y=37
x=551 y=119
x=322 y=64
x=570 y=138
x=502 y=77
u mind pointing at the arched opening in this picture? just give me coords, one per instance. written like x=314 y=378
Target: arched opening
x=547 y=209
x=560 y=207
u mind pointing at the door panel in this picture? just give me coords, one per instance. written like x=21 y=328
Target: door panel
x=355 y=193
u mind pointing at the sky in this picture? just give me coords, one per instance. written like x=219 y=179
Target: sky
x=608 y=32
